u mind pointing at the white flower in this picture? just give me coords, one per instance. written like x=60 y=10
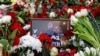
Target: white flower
x=54 y=51
x=69 y=10
x=77 y=54
x=87 y=50
x=29 y=53
x=29 y=41
x=68 y=50
x=6 y=19
x=73 y=37
x=93 y=50
x=1 y=46
x=4 y=7
x=32 y=10
x=78 y=14
x=81 y=43
x=88 y=2
x=84 y=12
x=13 y=49
x=32 y=5
x=52 y=14
x=26 y=27
x=73 y=20
x=1 y=21
x=81 y=53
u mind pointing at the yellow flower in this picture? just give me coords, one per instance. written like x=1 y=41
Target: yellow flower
x=13 y=1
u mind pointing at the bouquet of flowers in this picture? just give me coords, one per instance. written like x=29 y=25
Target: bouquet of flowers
x=84 y=28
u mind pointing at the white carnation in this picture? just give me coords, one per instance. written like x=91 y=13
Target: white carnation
x=6 y=19
x=29 y=41
x=84 y=12
x=13 y=49
x=26 y=27
x=78 y=14
x=69 y=10
x=30 y=53
x=73 y=20
x=52 y=14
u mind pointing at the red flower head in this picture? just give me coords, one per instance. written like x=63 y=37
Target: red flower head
x=75 y=7
x=64 y=8
x=16 y=25
x=64 y=1
x=52 y=2
x=16 y=41
x=69 y=33
x=16 y=7
x=13 y=15
x=81 y=1
x=45 y=37
x=72 y=52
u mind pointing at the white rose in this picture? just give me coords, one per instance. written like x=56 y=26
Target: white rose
x=73 y=20
x=69 y=10
x=78 y=14
x=1 y=21
x=52 y=14
x=54 y=51
x=6 y=19
x=84 y=12
x=26 y=27
x=87 y=50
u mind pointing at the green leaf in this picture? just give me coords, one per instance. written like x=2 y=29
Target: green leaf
x=21 y=20
x=12 y=35
x=5 y=43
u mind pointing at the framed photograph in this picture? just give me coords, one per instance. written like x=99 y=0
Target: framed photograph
x=52 y=27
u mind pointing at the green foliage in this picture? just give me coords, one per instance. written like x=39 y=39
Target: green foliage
x=5 y=43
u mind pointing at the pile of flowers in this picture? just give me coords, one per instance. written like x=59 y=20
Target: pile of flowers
x=15 y=23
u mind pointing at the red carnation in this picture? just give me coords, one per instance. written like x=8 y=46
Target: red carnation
x=72 y=52
x=81 y=1
x=64 y=1
x=16 y=41
x=16 y=7
x=69 y=33
x=52 y=2
x=16 y=25
x=45 y=37
x=64 y=8
x=13 y=15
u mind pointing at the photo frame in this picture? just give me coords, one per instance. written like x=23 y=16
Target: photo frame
x=50 y=27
